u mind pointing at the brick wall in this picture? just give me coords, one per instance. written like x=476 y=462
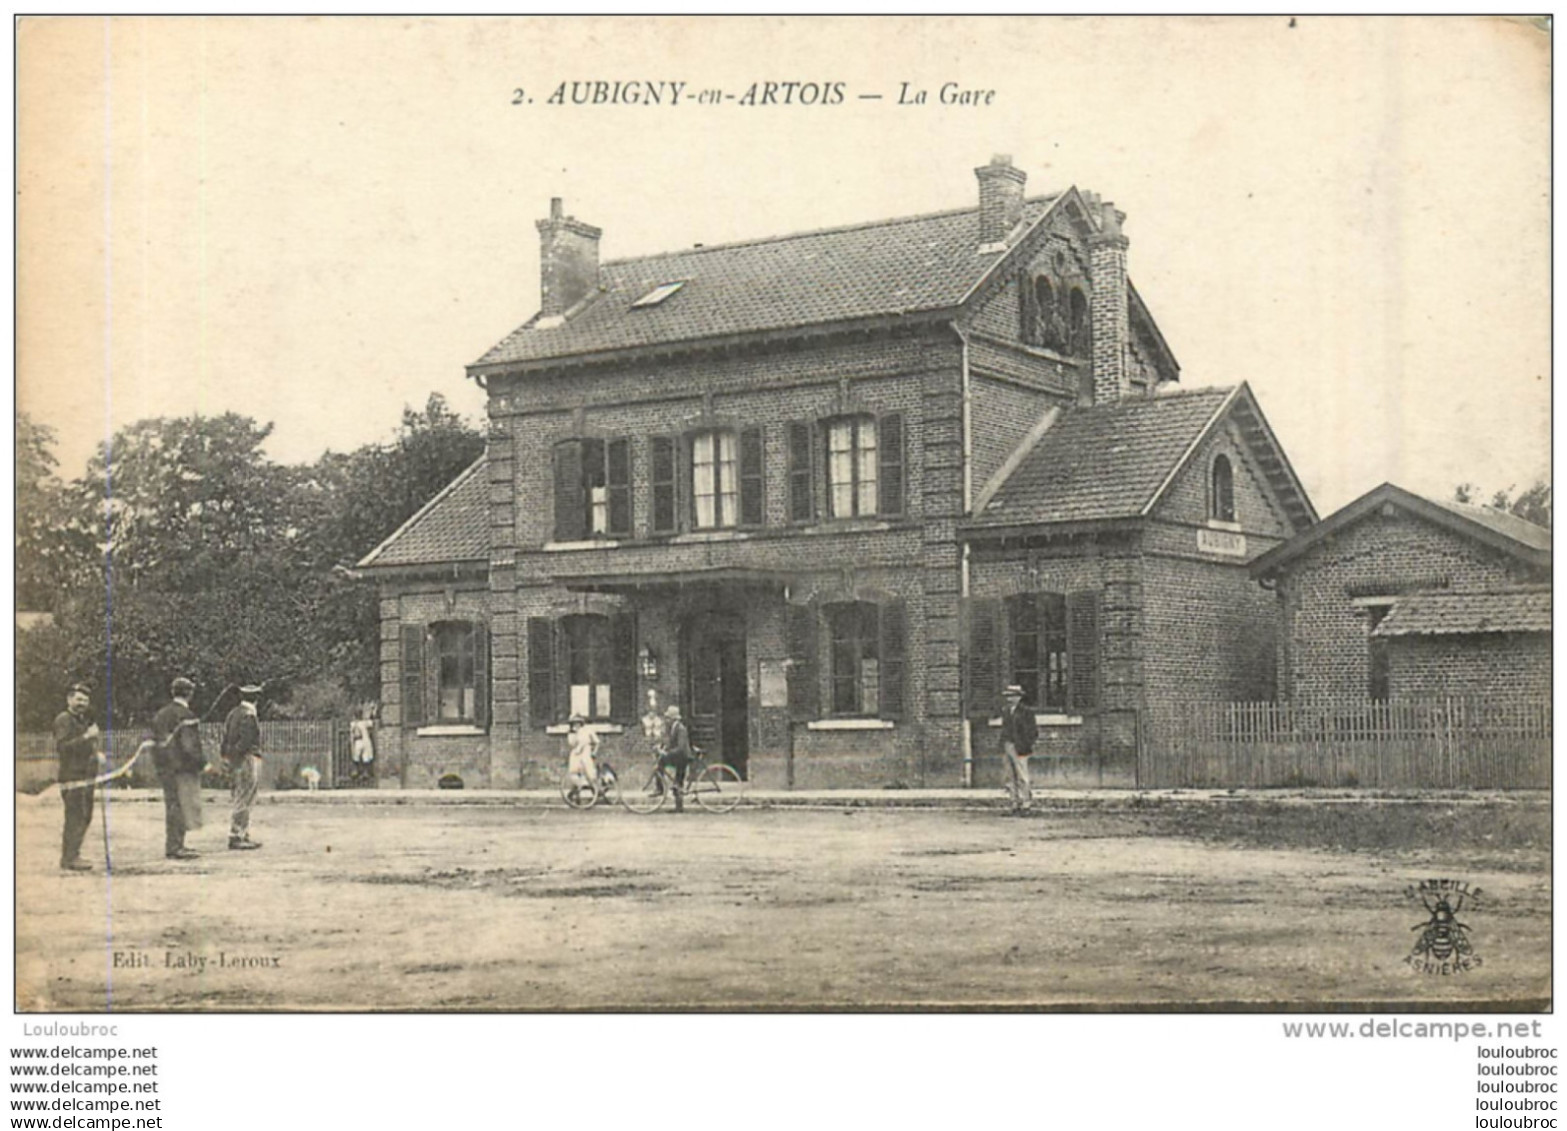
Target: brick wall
x=1498 y=665
x=1324 y=649
x=1002 y=415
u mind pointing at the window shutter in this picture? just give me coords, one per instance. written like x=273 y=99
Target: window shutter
x=1027 y=319
x=570 y=500
x=982 y=657
x=751 y=477
x=541 y=671
x=1082 y=648
x=618 y=480
x=663 y=480
x=481 y=674
x=889 y=453
x=801 y=453
x=894 y=636
x=413 y=675
x=804 y=681
x=623 y=668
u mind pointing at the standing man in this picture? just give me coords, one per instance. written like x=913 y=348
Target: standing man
x=76 y=744
x=242 y=751
x=1018 y=732
x=677 y=752
x=179 y=760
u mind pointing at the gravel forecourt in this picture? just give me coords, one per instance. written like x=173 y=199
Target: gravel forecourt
x=1120 y=902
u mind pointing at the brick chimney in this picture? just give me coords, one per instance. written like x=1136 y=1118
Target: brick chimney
x=1000 y=200
x=1107 y=264
x=568 y=261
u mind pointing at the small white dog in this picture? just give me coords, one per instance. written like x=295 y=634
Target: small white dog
x=311 y=776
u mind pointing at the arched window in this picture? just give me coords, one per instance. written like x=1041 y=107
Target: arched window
x=1044 y=310
x=1079 y=326
x=1221 y=500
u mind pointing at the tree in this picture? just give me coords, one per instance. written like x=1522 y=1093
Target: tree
x=185 y=550
x=43 y=544
x=354 y=502
x=1533 y=505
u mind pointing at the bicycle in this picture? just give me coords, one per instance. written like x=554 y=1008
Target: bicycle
x=605 y=787
x=716 y=788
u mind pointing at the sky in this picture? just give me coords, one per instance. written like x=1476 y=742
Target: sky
x=316 y=222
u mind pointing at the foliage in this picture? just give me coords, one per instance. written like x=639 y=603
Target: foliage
x=1533 y=505
x=41 y=538
x=185 y=550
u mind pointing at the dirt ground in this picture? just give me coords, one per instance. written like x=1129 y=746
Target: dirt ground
x=421 y=907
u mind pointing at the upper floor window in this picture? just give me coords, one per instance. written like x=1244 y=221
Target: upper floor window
x=445 y=673
x=864 y=466
x=715 y=487
x=851 y=467
x=1221 y=499
x=592 y=489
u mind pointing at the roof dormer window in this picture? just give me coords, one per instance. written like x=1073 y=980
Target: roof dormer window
x=658 y=294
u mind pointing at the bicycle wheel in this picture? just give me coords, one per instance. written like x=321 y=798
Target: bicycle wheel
x=718 y=789
x=643 y=790
x=609 y=785
x=575 y=795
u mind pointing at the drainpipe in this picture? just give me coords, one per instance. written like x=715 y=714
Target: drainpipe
x=966 y=729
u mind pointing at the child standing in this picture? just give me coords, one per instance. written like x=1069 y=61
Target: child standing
x=581 y=747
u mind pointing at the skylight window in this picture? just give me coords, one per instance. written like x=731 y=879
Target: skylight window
x=658 y=294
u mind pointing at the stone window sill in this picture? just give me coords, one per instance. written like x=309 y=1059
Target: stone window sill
x=596 y=728
x=591 y=544
x=449 y=730
x=849 y=724
x=1221 y=524
x=1048 y=721
x=719 y=535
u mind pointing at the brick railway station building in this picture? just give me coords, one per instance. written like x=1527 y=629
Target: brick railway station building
x=830 y=492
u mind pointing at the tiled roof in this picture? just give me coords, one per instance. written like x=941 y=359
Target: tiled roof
x=1521 y=609
x=452 y=527
x=1104 y=462
x=1508 y=533
x=891 y=267
x=1508 y=525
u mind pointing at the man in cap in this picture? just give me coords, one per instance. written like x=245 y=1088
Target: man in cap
x=1018 y=732
x=76 y=744
x=179 y=760
x=242 y=750
x=677 y=752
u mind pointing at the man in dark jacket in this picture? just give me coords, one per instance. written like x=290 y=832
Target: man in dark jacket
x=242 y=751
x=179 y=760
x=76 y=744
x=1018 y=731
x=677 y=752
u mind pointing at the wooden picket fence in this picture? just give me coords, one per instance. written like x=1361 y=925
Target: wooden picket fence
x=1449 y=743
x=288 y=745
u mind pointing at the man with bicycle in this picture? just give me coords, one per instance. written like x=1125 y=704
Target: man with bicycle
x=676 y=754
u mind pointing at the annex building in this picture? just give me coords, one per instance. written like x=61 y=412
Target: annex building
x=830 y=492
